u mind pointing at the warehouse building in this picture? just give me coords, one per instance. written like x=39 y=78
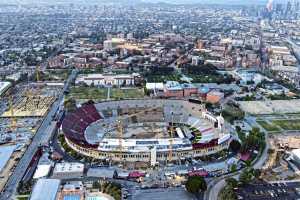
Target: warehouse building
x=68 y=170
x=46 y=189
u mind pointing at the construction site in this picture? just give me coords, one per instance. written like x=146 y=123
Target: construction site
x=21 y=114
x=280 y=164
x=32 y=106
x=145 y=132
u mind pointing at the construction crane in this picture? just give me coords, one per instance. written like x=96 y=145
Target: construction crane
x=13 y=124
x=120 y=133
x=30 y=93
x=170 y=156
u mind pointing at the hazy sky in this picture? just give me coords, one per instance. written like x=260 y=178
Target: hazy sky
x=132 y=1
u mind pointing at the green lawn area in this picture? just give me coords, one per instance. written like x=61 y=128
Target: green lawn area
x=267 y=126
x=163 y=78
x=99 y=94
x=288 y=124
x=23 y=197
x=58 y=74
x=88 y=93
x=128 y=93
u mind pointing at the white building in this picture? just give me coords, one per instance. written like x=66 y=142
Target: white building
x=296 y=156
x=4 y=86
x=44 y=167
x=113 y=43
x=68 y=170
x=142 y=145
x=107 y=79
x=195 y=60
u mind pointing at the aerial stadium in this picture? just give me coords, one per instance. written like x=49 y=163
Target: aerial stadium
x=150 y=131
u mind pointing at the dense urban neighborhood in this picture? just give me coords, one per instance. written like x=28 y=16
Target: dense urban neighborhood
x=149 y=100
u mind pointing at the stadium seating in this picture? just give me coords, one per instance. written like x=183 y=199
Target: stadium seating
x=74 y=124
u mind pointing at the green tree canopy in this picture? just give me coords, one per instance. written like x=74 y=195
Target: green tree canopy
x=235 y=146
x=70 y=105
x=195 y=184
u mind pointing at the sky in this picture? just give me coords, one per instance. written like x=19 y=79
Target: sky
x=230 y=2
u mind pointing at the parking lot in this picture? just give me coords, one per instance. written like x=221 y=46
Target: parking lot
x=163 y=194
x=265 y=191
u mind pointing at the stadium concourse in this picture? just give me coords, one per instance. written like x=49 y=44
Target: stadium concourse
x=148 y=131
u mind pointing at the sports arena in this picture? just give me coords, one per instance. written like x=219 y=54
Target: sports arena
x=149 y=131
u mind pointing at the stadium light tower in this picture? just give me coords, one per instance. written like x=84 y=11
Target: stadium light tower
x=13 y=124
x=120 y=133
x=170 y=157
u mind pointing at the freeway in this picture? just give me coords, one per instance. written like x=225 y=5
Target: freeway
x=41 y=137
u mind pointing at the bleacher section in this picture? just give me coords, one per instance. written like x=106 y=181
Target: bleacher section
x=74 y=124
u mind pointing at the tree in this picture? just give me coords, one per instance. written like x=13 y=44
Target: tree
x=227 y=193
x=96 y=185
x=232 y=182
x=232 y=112
x=246 y=176
x=208 y=105
x=70 y=105
x=248 y=163
x=257 y=173
x=235 y=146
x=238 y=128
x=195 y=184
x=254 y=141
x=233 y=168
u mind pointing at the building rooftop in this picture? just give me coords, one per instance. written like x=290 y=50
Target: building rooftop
x=68 y=167
x=173 y=85
x=5 y=153
x=4 y=86
x=45 y=189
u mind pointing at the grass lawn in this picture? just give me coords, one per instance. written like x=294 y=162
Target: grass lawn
x=88 y=93
x=23 y=197
x=163 y=78
x=267 y=126
x=128 y=93
x=288 y=124
x=99 y=94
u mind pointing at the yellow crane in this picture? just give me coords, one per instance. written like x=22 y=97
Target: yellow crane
x=30 y=92
x=13 y=124
x=120 y=133
x=170 y=156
